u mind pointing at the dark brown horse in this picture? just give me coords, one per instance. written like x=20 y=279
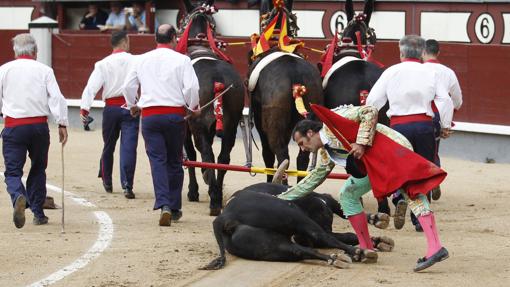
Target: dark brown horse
x=210 y=69
x=346 y=84
x=272 y=102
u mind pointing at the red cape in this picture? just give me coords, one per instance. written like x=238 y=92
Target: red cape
x=389 y=165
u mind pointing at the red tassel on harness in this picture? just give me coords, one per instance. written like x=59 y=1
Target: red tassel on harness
x=182 y=45
x=327 y=58
x=218 y=108
x=212 y=45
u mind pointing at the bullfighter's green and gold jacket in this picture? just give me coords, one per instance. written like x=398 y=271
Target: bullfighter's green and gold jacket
x=334 y=153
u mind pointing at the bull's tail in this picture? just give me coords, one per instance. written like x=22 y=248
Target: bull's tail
x=219 y=233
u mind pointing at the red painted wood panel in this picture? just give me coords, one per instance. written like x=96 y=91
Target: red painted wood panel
x=6 y=53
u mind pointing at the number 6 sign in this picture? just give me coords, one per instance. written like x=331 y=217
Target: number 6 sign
x=484 y=28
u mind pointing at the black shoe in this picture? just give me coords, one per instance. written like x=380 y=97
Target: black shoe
x=18 y=215
x=418 y=228
x=436 y=193
x=424 y=263
x=128 y=193
x=40 y=220
x=108 y=188
x=176 y=214
x=165 y=219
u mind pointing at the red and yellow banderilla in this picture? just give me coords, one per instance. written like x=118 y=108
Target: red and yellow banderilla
x=263 y=170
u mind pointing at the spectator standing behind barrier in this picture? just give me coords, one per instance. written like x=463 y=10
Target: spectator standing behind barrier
x=93 y=18
x=169 y=86
x=110 y=74
x=29 y=93
x=446 y=77
x=116 y=19
x=410 y=87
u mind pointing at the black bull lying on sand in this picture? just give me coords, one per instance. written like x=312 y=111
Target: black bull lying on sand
x=257 y=225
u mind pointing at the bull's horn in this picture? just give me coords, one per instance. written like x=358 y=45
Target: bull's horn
x=278 y=175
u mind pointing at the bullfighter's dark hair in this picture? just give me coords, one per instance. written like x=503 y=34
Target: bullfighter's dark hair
x=303 y=126
x=432 y=47
x=118 y=37
x=167 y=36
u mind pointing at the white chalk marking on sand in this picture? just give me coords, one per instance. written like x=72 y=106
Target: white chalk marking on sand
x=103 y=241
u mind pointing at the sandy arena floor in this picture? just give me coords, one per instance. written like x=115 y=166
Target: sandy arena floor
x=473 y=218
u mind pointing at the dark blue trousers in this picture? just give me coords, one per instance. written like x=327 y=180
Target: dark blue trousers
x=437 y=134
x=17 y=141
x=118 y=121
x=164 y=139
x=422 y=138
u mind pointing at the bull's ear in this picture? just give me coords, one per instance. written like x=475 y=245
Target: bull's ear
x=189 y=6
x=369 y=8
x=349 y=10
x=288 y=4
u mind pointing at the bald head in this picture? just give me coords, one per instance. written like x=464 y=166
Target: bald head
x=24 y=45
x=165 y=34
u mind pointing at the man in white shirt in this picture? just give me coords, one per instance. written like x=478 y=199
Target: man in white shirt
x=29 y=93
x=169 y=86
x=410 y=88
x=448 y=78
x=110 y=74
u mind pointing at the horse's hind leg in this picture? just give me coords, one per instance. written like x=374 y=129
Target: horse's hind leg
x=227 y=143
x=267 y=154
x=302 y=161
x=192 y=155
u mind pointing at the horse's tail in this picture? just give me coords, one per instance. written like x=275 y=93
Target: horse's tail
x=298 y=91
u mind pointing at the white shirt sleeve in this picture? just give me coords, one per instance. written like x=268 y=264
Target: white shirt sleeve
x=94 y=84
x=455 y=91
x=56 y=101
x=130 y=88
x=377 y=96
x=190 y=85
x=444 y=104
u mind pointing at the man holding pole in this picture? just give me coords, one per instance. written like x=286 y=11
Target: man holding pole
x=29 y=93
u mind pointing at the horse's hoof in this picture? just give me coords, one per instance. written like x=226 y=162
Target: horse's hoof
x=215 y=211
x=193 y=198
x=383 y=243
x=216 y=264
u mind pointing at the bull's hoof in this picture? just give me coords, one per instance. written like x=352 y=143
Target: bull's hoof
x=364 y=256
x=216 y=264
x=340 y=260
x=369 y=256
x=215 y=211
x=379 y=220
x=383 y=243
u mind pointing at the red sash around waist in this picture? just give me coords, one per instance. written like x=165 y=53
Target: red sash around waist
x=163 y=110
x=398 y=120
x=115 y=101
x=12 y=122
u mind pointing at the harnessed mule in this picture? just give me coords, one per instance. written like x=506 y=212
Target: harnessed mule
x=352 y=74
x=272 y=90
x=214 y=73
